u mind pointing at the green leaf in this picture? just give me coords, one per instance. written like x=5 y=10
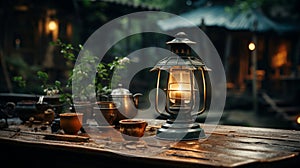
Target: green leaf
x=42 y=75
x=19 y=79
x=58 y=83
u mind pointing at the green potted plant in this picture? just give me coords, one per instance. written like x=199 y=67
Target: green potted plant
x=100 y=86
x=62 y=90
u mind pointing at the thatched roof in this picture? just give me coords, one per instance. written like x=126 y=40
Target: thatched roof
x=219 y=16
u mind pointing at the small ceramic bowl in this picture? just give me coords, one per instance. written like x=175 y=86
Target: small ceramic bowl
x=132 y=129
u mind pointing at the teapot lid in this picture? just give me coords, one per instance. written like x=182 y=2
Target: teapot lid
x=120 y=91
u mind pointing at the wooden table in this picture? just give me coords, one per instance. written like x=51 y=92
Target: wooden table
x=226 y=146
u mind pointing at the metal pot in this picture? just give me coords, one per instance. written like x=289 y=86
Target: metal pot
x=106 y=113
x=128 y=103
x=30 y=109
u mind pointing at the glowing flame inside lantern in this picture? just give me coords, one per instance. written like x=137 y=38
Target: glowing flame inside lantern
x=179 y=86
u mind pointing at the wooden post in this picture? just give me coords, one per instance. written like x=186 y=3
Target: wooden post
x=227 y=54
x=5 y=43
x=254 y=68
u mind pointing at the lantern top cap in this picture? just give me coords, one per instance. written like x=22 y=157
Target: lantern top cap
x=181 y=37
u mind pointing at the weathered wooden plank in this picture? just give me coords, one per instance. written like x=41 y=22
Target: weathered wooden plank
x=207 y=158
x=264 y=133
x=227 y=146
x=249 y=142
x=238 y=151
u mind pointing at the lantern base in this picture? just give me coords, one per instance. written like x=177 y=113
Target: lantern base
x=180 y=130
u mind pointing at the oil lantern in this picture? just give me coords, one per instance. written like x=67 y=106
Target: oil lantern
x=185 y=81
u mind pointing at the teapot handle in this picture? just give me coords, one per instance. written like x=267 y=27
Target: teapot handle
x=136 y=98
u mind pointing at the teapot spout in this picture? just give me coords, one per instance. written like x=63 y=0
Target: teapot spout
x=136 y=99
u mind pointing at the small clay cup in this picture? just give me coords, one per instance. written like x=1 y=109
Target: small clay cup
x=132 y=129
x=71 y=123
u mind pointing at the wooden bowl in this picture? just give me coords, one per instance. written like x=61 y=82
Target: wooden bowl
x=132 y=129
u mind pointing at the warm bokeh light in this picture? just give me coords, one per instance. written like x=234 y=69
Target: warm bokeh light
x=52 y=25
x=298 y=119
x=280 y=58
x=251 y=46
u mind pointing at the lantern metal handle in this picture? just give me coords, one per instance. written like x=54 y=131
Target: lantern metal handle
x=156 y=98
x=206 y=91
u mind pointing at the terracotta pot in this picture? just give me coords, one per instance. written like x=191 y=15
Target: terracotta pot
x=71 y=123
x=132 y=129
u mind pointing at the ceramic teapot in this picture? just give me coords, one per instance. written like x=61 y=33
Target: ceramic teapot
x=127 y=103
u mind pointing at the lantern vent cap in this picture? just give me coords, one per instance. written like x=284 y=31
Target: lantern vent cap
x=192 y=63
x=181 y=37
